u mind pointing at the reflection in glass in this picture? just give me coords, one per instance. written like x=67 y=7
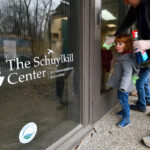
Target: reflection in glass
x=111 y=17
x=39 y=57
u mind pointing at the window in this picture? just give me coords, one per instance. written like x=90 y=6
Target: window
x=39 y=66
x=111 y=17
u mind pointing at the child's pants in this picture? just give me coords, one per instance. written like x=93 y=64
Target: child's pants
x=123 y=98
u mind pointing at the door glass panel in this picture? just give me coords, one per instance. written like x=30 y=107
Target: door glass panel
x=39 y=71
x=112 y=13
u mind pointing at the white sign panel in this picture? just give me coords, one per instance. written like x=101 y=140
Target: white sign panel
x=9 y=49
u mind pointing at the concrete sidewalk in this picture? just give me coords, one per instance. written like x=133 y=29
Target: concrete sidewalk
x=107 y=136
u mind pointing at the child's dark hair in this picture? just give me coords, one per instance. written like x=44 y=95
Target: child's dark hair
x=127 y=39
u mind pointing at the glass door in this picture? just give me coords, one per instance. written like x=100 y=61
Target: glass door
x=111 y=17
x=108 y=14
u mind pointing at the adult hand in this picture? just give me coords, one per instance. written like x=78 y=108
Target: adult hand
x=141 y=45
x=109 y=40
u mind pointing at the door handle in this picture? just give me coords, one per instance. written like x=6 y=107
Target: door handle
x=98 y=19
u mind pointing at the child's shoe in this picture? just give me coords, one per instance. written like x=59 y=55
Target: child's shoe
x=124 y=123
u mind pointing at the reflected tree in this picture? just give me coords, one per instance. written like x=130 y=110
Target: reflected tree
x=27 y=4
x=25 y=17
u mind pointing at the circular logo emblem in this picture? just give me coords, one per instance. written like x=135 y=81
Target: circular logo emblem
x=27 y=133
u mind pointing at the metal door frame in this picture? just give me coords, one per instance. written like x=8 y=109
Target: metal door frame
x=100 y=103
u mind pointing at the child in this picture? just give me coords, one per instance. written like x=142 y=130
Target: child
x=124 y=68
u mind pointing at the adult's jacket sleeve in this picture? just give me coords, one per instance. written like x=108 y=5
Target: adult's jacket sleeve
x=128 y=21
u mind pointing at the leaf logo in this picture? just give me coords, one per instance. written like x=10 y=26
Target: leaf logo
x=28 y=136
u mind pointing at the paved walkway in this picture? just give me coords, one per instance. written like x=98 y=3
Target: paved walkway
x=107 y=136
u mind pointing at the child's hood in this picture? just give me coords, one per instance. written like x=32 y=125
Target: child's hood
x=131 y=58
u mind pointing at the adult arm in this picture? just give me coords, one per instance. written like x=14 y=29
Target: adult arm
x=128 y=21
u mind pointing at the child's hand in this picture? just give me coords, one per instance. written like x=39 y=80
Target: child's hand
x=141 y=45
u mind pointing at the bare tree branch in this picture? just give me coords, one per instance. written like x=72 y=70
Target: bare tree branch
x=28 y=16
